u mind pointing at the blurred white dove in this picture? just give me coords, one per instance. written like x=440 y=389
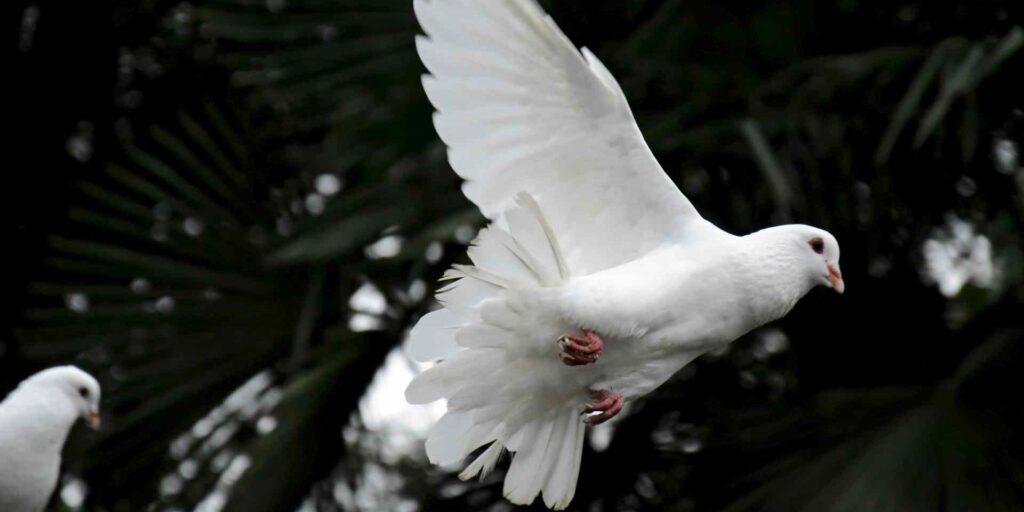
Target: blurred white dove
x=597 y=279
x=34 y=422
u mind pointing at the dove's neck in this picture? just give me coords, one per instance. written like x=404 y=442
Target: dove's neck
x=43 y=416
x=774 y=278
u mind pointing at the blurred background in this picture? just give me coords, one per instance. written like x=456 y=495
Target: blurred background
x=231 y=212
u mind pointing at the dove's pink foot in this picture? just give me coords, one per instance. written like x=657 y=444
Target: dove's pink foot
x=580 y=350
x=606 y=403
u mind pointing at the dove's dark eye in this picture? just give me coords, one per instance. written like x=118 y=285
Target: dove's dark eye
x=84 y=392
x=817 y=245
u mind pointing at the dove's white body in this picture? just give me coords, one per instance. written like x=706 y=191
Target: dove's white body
x=587 y=232
x=646 y=342
x=710 y=299
x=501 y=373
x=35 y=420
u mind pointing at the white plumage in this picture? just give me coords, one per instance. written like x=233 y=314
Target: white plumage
x=588 y=233
x=34 y=422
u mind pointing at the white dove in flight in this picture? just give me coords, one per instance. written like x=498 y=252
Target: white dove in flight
x=596 y=279
x=34 y=422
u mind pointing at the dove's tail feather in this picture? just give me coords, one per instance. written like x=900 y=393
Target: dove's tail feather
x=499 y=369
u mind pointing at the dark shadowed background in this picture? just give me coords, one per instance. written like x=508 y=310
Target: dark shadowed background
x=231 y=211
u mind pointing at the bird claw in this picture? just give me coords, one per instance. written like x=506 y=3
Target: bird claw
x=606 y=405
x=580 y=350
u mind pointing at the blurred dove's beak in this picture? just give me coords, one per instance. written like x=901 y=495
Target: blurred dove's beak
x=94 y=421
x=836 y=277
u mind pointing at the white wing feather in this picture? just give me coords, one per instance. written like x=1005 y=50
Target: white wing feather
x=522 y=110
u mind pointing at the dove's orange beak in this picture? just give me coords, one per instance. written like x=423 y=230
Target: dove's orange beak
x=836 y=277
x=94 y=421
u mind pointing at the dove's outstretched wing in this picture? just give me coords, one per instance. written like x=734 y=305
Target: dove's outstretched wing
x=521 y=109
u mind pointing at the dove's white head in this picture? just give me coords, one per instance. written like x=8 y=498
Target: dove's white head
x=814 y=251
x=35 y=420
x=67 y=388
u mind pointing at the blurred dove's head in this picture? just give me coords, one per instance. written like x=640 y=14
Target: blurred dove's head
x=72 y=384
